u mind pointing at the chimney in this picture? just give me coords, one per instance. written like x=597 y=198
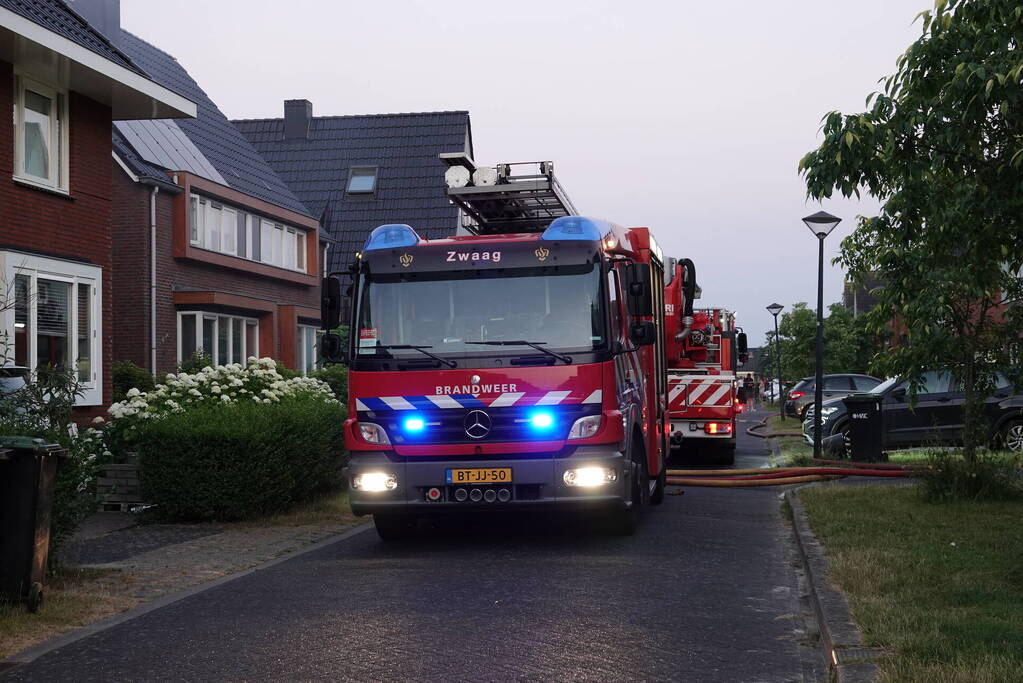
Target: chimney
x=298 y=114
x=102 y=15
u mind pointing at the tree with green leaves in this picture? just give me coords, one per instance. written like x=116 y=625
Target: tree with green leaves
x=847 y=342
x=941 y=146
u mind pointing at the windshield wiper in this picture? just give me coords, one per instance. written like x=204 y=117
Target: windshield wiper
x=420 y=349
x=520 y=342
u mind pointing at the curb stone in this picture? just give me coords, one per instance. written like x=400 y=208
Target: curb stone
x=848 y=659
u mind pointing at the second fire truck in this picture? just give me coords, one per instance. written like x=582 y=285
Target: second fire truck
x=704 y=349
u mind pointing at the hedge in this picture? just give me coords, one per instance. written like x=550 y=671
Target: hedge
x=233 y=461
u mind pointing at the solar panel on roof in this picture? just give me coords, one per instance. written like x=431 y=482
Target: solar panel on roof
x=162 y=142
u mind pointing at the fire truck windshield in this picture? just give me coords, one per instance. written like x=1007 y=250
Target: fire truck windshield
x=450 y=313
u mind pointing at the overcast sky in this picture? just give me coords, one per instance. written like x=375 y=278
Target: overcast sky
x=687 y=117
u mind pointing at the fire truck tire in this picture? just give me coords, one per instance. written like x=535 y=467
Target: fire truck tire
x=395 y=527
x=657 y=497
x=726 y=453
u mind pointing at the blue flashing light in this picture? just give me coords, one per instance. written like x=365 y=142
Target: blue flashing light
x=414 y=424
x=392 y=236
x=576 y=228
x=541 y=420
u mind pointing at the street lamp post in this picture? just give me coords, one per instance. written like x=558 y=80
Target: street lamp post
x=821 y=224
x=775 y=309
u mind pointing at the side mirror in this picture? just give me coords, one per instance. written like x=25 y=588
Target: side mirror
x=330 y=303
x=741 y=345
x=899 y=394
x=637 y=289
x=642 y=333
x=330 y=349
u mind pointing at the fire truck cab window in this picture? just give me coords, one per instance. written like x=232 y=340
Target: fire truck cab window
x=559 y=307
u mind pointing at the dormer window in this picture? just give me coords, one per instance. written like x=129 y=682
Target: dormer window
x=362 y=180
x=215 y=226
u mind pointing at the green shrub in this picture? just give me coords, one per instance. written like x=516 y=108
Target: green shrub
x=196 y=362
x=127 y=375
x=235 y=460
x=991 y=476
x=286 y=372
x=336 y=376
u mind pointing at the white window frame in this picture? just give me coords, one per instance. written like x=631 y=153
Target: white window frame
x=214 y=353
x=281 y=239
x=302 y=361
x=196 y=219
x=12 y=264
x=58 y=179
x=300 y=250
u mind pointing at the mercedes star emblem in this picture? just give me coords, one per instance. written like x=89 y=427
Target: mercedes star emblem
x=477 y=424
x=475 y=379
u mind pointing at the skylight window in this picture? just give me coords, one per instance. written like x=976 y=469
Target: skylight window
x=362 y=179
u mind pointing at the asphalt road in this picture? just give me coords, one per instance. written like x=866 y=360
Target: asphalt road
x=705 y=591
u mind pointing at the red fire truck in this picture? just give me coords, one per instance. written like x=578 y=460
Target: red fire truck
x=517 y=365
x=703 y=350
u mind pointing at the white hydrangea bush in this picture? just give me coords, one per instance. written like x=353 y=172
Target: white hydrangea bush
x=258 y=381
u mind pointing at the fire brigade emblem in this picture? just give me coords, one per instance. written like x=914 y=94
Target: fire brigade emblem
x=406 y=260
x=477 y=424
x=542 y=254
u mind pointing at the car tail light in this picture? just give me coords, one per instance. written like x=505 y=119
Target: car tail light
x=718 y=428
x=793 y=395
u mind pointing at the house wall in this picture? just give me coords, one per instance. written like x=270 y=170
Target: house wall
x=185 y=283
x=76 y=227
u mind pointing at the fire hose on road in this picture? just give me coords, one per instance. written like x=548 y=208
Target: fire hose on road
x=824 y=470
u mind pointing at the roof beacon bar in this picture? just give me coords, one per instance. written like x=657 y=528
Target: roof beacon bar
x=513 y=197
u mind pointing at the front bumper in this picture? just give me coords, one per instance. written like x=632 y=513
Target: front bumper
x=536 y=483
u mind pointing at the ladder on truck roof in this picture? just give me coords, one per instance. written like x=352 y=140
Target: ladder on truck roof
x=508 y=197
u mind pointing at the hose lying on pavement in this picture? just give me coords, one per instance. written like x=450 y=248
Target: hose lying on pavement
x=784 y=475
x=682 y=481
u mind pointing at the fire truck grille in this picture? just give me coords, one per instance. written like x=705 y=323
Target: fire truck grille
x=508 y=424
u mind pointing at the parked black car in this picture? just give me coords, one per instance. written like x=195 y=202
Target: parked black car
x=835 y=386
x=937 y=417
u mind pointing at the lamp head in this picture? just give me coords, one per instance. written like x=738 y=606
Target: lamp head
x=821 y=223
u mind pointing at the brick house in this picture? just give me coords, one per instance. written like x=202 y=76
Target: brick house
x=357 y=172
x=65 y=84
x=212 y=252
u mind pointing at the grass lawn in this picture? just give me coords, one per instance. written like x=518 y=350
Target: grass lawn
x=72 y=598
x=329 y=509
x=789 y=424
x=938 y=586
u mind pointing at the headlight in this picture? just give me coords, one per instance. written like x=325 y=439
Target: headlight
x=585 y=427
x=373 y=433
x=374 y=482
x=590 y=476
x=829 y=410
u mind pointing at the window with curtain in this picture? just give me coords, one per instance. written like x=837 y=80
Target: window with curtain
x=224 y=338
x=56 y=320
x=229 y=230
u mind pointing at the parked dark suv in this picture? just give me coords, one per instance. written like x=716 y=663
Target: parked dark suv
x=835 y=386
x=937 y=417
